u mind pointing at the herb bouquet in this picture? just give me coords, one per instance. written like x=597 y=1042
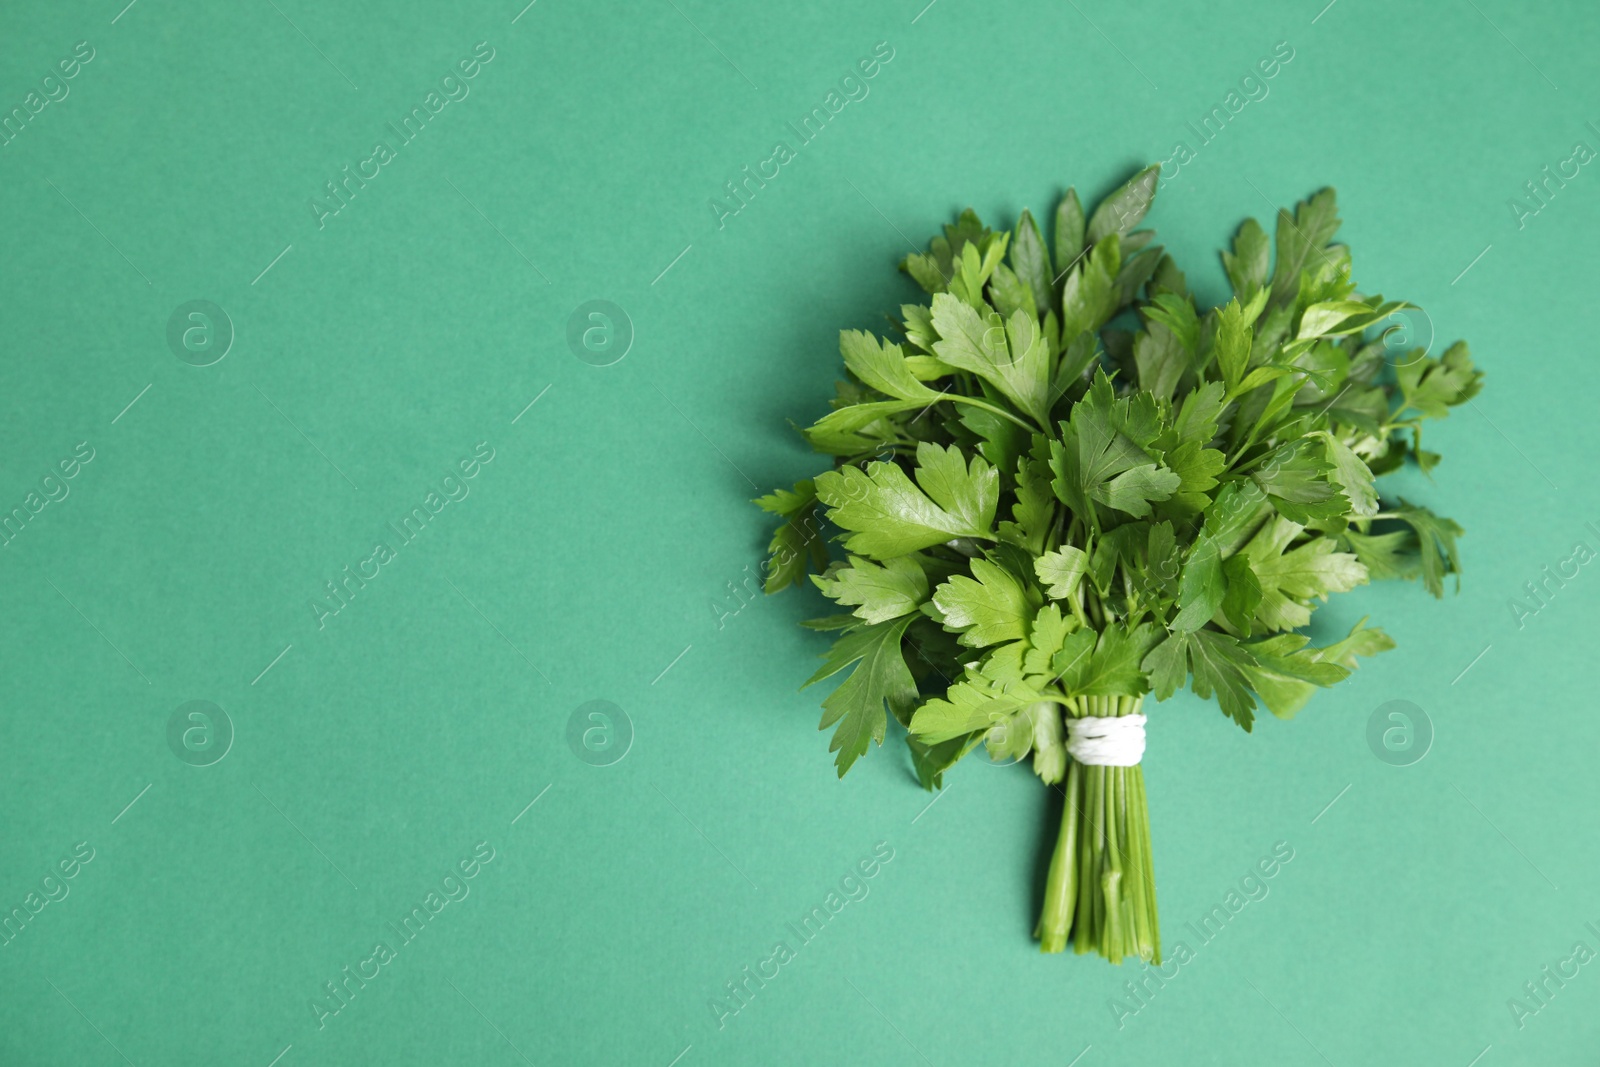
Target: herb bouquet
x=1065 y=487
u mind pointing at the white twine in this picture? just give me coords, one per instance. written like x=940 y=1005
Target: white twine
x=1112 y=742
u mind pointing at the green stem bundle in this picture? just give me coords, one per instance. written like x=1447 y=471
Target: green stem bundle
x=1101 y=890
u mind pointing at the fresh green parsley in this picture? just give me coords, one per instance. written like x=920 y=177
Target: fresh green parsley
x=1062 y=486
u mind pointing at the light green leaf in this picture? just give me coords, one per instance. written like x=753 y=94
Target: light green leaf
x=1196 y=469
x=1048 y=635
x=887 y=515
x=1010 y=355
x=1168 y=665
x=856 y=707
x=1432 y=386
x=1288 y=673
x=1113 y=669
x=1135 y=489
x=840 y=430
x=880 y=593
x=1009 y=294
x=882 y=366
x=1388 y=555
x=1291 y=579
x=1035 y=508
x=1332 y=318
x=969 y=705
x=969 y=491
x=1351 y=474
x=1049 y=742
x=1363 y=640
x=1177 y=314
x=1011 y=738
x=988 y=608
x=1061 y=570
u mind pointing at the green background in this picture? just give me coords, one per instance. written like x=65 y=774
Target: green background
x=602 y=554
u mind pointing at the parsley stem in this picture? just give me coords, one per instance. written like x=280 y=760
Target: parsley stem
x=1100 y=890
x=1060 y=892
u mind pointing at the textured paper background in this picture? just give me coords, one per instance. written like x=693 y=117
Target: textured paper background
x=593 y=557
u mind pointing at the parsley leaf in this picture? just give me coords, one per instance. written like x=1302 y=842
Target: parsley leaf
x=1010 y=355
x=1290 y=579
x=797 y=541
x=1298 y=480
x=1302 y=239
x=882 y=366
x=1436 y=545
x=856 y=707
x=1061 y=570
x=878 y=592
x=1432 y=386
x=1124 y=209
x=1112 y=668
x=1247 y=264
x=1032 y=263
x=889 y=516
x=1100 y=455
x=1217 y=664
x=987 y=608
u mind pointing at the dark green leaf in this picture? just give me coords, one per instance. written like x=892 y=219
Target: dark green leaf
x=1089 y=295
x=1436 y=544
x=1069 y=231
x=1032 y=262
x=1124 y=209
x=797 y=540
x=1298 y=480
x=1302 y=240
x=1244 y=592
x=1202 y=587
x=1247 y=263
x=1217 y=663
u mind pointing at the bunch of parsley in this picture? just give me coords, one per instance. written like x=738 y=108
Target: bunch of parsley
x=1064 y=486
